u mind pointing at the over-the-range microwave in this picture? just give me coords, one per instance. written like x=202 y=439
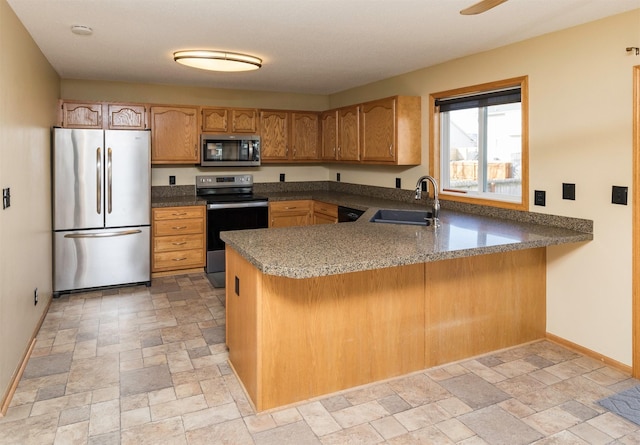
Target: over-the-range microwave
x=229 y=150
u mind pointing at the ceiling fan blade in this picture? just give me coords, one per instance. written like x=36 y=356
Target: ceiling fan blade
x=481 y=6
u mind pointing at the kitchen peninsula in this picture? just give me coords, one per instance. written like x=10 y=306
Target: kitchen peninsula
x=317 y=309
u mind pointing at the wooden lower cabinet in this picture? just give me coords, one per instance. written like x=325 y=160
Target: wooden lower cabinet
x=324 y=213
x=290 y=213
x=302 y=212
x=293 y=339
x=178 y=240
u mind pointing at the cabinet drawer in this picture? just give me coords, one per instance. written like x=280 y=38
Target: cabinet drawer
x=326 y=209
x=177 y=242
x=290 y=206
x=178 y=213
x=181 y=259
x=178 y=227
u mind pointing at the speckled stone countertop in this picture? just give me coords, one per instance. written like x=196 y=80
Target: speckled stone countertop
x=328 y=249
x=177 y=201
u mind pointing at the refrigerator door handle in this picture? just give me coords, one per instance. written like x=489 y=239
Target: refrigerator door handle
x=99 y=180
x=109 y=179
x=102 y=235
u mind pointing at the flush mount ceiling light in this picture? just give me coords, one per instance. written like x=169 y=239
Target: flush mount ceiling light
x=217 y=60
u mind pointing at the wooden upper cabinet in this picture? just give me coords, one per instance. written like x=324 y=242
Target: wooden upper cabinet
x=174 y=135
x=274 y=135
x=215 y=120
x=244 y=120
x=287 y=136
x=305 y=135
x=229 y=120
x=103 y=115
x=127 y=117
x=378 y=127
x=81 y=115
x=329 y=135
x=390 y=131
x=349 y=133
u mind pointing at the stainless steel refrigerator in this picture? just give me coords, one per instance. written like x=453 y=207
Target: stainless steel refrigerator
x=101 y=208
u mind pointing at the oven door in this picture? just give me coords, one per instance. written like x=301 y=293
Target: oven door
x=231 y=216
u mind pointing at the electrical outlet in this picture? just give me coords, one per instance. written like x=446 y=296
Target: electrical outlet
x=172 y=180
x=35 y=296
x=338 y=177
x=6 y=198
x=424 y=186
x=281 y=177
x=540 y=197
x=568 y=191
x=619 y=195
x=398 y=183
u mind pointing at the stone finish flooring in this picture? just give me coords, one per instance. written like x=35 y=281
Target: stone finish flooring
x=144 y=365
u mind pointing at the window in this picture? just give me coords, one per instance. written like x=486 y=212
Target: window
x=479 y=143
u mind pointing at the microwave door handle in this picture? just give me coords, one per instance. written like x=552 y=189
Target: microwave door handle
x=250 y=151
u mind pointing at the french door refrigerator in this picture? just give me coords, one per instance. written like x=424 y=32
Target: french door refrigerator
x=101 y=208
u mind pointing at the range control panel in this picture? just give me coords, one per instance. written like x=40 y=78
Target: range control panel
x=224 y=181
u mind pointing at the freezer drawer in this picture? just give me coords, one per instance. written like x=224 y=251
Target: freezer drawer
x=104 y=257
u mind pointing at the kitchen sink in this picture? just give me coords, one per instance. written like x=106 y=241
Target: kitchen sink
x=413 y=217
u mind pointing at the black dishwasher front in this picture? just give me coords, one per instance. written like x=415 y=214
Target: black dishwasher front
x=346 y=214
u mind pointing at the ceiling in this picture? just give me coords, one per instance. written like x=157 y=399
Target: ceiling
x=307 y=46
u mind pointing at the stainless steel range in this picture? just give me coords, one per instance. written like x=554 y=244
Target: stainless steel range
x=231 y=205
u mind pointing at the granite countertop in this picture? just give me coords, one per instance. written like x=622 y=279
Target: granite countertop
x=328 y=249
x=177 y=201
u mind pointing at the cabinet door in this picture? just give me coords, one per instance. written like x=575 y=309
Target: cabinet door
x=378 y=127
x=324 y=213
x=328 y=134
x=215 y=120
x=349 y=134
x=290 y=213
x=127 y=117
x=174 y=135
x=304 y=135
x=274 y=138
x=81 y=115
x=244 y=120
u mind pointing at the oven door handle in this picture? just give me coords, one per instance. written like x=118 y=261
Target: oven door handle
x=237 y=205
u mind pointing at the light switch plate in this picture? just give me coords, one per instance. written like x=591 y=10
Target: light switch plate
x=540 y=198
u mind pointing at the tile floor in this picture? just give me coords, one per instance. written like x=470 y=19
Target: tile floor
x=144 y=365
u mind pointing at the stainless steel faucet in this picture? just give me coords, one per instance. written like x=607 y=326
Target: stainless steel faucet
x=435 y=206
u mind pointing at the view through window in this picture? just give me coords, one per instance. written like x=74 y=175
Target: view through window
x=481 y=144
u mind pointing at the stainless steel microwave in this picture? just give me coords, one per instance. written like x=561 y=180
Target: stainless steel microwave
x=229 y=150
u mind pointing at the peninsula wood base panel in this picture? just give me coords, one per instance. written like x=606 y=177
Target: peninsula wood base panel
x=484 y=303
x=291 y=340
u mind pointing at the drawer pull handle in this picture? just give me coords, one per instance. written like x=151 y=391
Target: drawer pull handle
x=179 y=259
x=179 y=227
x=180 y=244
x=179 y=214
x=290 y=208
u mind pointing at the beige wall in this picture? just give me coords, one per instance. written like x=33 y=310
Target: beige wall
x=580 y=83
x=29 y=89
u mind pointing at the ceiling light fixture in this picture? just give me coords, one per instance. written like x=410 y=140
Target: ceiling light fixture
x=217 y=60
